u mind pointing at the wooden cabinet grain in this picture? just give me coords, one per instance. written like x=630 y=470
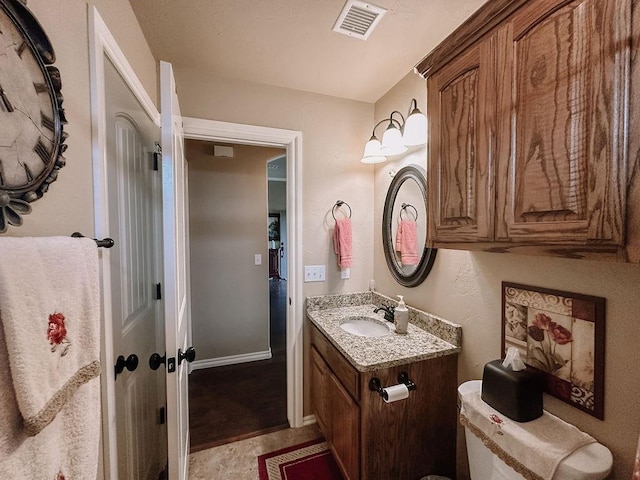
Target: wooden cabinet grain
x=460 y=193
x=374 y=440
x=563 y=73
x=529 y=110
x=320 y=397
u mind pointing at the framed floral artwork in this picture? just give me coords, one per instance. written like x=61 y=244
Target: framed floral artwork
x=561 y=334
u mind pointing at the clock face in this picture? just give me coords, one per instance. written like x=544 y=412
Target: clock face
x=30 y=127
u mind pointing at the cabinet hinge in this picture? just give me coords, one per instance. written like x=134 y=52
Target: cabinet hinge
x=156 y=161
x=158 y=291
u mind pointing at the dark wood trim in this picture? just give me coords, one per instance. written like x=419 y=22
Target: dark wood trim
x=595 y=252
x=489 y=16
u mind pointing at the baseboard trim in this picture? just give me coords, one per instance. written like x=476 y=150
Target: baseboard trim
x=308 y=420
x=231 y=360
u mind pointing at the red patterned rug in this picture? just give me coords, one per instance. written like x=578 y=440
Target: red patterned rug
x=306 y=461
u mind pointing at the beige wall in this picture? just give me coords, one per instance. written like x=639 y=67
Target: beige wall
x=68 y=206
x=227 y=227
x=465 y=288
x=334 y=132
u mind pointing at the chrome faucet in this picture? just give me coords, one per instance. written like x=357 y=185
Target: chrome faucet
x=388 y=312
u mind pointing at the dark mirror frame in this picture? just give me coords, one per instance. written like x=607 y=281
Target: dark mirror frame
x=416 y=173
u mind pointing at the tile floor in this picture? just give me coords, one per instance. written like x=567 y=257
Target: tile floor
x=239 y=460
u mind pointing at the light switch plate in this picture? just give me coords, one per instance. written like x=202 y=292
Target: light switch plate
x=257 y=259
x=314 y=273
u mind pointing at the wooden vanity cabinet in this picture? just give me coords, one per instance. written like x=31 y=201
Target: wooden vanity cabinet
x=528 y=109
x=337 y=415
x=374 y=440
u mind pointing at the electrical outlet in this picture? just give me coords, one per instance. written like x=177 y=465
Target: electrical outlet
x=314 y=273
x=345 y=273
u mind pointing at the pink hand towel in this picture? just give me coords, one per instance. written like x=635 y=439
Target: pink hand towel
x=342 y=242
x=407 y=242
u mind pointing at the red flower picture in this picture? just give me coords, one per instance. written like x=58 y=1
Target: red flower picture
x=549 y=335
x=57 y=333
x=561 y=335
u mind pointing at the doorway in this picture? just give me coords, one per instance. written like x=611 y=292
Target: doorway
x=216 y=131
x=238 y=386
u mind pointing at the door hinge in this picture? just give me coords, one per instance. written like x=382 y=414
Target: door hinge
x=171 y=364
x=156 y=161
x=162 y=416
x=158 y=291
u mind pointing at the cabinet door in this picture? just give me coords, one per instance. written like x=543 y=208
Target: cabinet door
x=320 y=391
x=345 y=420
x=563 y=70
x=460 y=99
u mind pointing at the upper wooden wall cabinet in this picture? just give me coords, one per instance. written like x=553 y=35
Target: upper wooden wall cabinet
x=533 y=130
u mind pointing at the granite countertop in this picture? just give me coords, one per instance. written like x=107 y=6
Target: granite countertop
x=427 y=336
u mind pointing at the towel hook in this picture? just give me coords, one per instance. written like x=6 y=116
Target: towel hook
x=408 y=205
x=338 y=204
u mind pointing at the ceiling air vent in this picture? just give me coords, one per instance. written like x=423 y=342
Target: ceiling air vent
x=358 y=19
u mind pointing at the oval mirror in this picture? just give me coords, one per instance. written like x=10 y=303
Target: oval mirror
x=404 y=227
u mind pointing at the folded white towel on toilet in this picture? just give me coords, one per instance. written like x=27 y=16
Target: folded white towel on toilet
x=533 y=449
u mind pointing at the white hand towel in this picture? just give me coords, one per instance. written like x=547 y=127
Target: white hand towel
x=68 y=448
x=50 y=313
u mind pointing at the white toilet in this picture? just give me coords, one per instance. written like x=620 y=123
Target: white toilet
x=591 y=462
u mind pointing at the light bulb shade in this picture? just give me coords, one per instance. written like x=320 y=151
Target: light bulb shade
x=373 y=159
x=415 y=129
x=372 y=151
x=392 y=141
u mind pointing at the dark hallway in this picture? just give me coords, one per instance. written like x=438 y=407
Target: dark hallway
x=234 y=402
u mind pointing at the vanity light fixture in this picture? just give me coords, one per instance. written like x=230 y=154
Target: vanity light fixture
x=398 y=136
x=414 y=132
x=376 y=151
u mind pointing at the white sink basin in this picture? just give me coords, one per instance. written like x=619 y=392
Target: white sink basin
x=365 y=326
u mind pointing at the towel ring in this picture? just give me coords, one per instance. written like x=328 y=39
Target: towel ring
x=408 y=205
x=338 y=204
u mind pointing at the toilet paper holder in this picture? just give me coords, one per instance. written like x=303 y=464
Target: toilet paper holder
x=376 y=386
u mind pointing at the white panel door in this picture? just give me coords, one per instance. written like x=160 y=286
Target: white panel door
x=175 y=275
x=137 y=323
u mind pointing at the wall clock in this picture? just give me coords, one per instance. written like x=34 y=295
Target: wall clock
x=31 y=114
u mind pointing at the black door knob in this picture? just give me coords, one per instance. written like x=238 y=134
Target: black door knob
x=189 y=355
x=156 y=360
x=131 y=363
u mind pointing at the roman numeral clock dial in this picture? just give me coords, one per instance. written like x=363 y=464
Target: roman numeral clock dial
x=31 y=114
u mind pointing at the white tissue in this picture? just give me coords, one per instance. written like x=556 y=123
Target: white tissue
x=396 y=392
x=513 y=358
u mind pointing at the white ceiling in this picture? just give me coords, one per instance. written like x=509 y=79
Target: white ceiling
x=289 y=43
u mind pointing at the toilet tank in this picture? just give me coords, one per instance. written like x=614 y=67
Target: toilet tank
x=591 y=462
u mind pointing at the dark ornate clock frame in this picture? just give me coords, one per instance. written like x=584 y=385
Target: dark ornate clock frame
x=14 y=203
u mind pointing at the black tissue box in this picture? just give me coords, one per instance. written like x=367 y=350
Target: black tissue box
x=518 y=395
